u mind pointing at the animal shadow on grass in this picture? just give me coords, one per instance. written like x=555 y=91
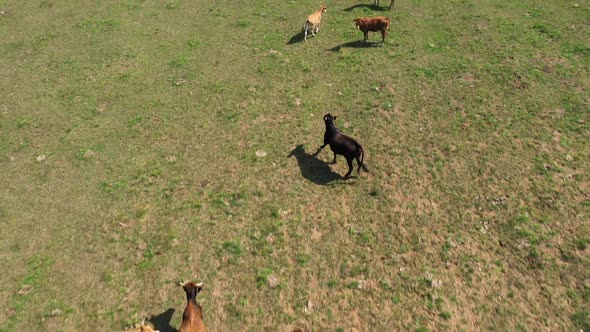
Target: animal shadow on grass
x=355 y=44
x=161 y=322
x=312 y=168
x=362 y=5
x=297 y=38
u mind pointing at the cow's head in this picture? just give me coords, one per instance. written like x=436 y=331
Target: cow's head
x=358 y=22
x=191 y=288
x=329 y=118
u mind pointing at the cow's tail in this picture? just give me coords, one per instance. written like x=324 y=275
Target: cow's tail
x=362 y=153
x=388 y=23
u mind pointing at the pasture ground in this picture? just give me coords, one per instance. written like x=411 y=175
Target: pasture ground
x=128 y=139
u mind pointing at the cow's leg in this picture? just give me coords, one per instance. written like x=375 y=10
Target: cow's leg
x=334 y=161
x=326 y=142
x=366 y=35
x=320 y=148
x=383 y=34
x=391 y=4
x=350 y=167
x=305 y=34
x=358 y=161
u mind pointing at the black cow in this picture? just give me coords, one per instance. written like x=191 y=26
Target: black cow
x=341 y=144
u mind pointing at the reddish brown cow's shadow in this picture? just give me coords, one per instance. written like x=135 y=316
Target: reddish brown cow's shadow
x=355 y=44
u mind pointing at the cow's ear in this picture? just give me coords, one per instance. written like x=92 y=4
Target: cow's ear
x=334 y=118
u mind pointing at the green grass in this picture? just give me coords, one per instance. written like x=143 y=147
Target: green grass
x=128 y=139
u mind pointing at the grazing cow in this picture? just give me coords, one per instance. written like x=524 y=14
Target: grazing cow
x=343 y=145
x=379 y=23
x=192 y=318
x=376 y=3
x=313 y=22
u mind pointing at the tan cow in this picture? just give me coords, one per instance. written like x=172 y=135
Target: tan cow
x=313 y=22
x=143 y=327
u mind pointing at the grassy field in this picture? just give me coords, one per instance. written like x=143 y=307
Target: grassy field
x=128 y=139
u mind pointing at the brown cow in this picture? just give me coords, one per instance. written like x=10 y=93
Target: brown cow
x=192 y=318
x=379 y=23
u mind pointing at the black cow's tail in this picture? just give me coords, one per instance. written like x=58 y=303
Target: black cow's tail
x=362 y=153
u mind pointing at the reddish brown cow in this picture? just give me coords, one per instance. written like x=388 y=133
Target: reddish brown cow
x=192 y=318
x=379 y=23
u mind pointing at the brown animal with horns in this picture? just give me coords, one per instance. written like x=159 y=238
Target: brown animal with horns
x=192 y=318
x=313 y=22
x=379 y=23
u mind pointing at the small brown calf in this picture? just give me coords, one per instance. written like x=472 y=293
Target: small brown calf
x=379 y=23
x=192 y=318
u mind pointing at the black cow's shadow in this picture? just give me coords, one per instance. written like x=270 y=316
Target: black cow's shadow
x=312 y=168
x=362 y=5
x=161 y=322
x=355 y=44
x=297 y=38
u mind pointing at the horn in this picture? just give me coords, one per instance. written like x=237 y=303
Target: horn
x=182 y=283
x=200 y=284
